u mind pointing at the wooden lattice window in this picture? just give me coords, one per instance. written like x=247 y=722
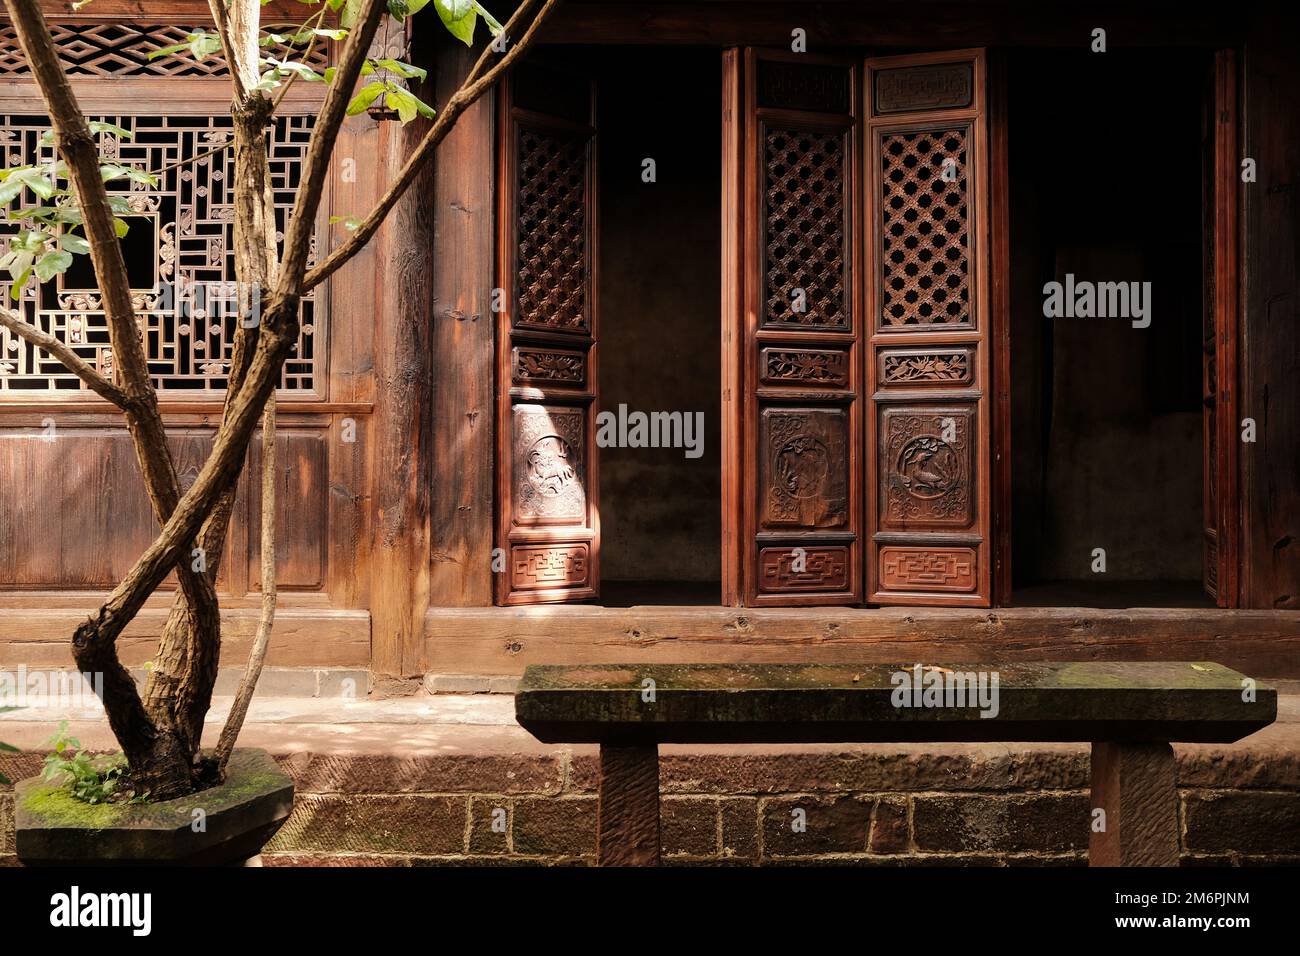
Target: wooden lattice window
x=804 y=229
x=179 y=252
x=119 y=49
x=552 y=276
x=925 y=254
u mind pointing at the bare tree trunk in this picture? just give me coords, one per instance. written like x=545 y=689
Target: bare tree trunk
x=244 y=696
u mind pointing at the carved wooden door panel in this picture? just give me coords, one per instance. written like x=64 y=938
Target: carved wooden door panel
x=927 y=330
x=801 y=431
x=548 y=519
x=1221 y=182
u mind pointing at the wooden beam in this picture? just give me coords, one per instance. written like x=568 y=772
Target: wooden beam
x=884 y=24
x=1269 y=386
x=1262 y=644
x=462 y=348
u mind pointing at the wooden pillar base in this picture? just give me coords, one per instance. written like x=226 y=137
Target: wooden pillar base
x=627 y=810
x=1135 y=785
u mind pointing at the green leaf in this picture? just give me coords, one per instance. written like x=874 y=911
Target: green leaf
x=459 y=17
x=404 y=70
x=494 y=26
x=407 y=106
x=75 y=243
x=398 y=9
x=99 y=127
x=350 y=223
x=52 y=264
x=351 y=10
x=10 y=190
x=365 y=96
x=169 y=50
x=121 y=227
x=16 y=289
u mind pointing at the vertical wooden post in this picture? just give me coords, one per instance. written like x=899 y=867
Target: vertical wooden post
x=1135 y=785
x=627 y=809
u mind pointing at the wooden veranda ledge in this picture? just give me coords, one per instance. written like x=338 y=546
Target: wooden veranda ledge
x=1129 y=712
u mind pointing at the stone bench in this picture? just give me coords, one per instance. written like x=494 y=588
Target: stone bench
x=1129 y=712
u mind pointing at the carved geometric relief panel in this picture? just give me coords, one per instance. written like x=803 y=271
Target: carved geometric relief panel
x=826 y=368
x=928 y=569
x=179 y=251
x=815 y=569
x=548 y=566
x=549 y=465
x=805 y=259
x=804 y=468
x=927 y=87
x=543 y=366
x=924 y=230
x=552 y=268
x=937 y=366
x=926 y=467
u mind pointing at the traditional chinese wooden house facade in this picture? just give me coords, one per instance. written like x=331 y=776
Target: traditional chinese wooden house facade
x=825 y=226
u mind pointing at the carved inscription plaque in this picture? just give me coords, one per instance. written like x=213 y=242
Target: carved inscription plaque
x=928 y=569
x=803 y=472
x=533 y=568
x=815 y=569
x=929 y=87
x=926 y=467
x=549 y=465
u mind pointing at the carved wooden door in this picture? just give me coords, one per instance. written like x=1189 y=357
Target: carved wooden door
x=800 y=428
x=548 y=519
x=927 y=330
x=1221 y=182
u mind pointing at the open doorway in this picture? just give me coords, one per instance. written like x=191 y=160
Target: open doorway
x=659 y=190
x=1106 y=187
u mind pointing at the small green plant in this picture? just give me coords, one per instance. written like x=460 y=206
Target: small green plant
x=92 y=779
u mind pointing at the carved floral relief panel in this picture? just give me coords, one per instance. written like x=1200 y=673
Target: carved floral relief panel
x=804 y=468
x=549 y=467
x=926 y=467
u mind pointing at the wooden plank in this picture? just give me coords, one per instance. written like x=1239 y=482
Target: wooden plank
x=1270 y=385
x=734 y=341
x=462 y=348
x=1000 y=326
x=627 y=806
x=882 y=24
x=503 y=641
x=1134 y=785
x=1184 y=701
x=301 y=637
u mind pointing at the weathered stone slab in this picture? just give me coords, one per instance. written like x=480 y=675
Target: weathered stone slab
x=238 y=817
x=1198 y=702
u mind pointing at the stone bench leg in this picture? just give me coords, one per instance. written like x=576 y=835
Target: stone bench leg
x=1134 y=784
x=627 y=809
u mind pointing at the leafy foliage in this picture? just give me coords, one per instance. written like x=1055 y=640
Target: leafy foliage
x=6 y=748
x=49 y=237
x=91 y=779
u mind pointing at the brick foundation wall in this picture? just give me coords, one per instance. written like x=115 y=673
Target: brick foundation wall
x=877 y=805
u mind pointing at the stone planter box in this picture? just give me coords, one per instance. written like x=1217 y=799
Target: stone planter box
x=238 y=817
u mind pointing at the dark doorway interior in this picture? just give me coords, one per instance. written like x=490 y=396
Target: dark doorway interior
x=660 y=268
x=1105 y=172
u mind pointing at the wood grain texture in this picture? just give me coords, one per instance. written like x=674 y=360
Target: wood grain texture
x=1270 y=385
x=1134 y=784
x=498 y=641
x=627 y=807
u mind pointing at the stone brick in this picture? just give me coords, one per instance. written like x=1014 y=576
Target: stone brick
x=1241 y=821
x=1000 y=823
x=889 y=827
x=369 y=824
x=584 y=773
x=484 y=837
x=563 y=825
x=334 y=859
x=445 y=773
x=455 y=684
x=834 y=824
x=739 y=827
x=1219 y=767
x=6 y=823
x=339 y=682
x=689 y=826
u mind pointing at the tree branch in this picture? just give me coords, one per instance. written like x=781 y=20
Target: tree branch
x=462 y=99
x=70 y=360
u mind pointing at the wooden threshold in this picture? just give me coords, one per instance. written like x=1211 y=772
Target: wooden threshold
x=301 y=637
x=505 y=640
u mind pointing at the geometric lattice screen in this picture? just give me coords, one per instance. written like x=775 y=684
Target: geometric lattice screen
x=118 y=49
x=179 y=253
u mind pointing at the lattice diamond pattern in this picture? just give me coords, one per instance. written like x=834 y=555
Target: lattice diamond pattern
x=113 y=49
x=179 y=251
x=551 y=288
x=804 y=229
x=925 y=230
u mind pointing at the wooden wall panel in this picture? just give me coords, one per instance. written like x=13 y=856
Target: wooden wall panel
x=1270 y=358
